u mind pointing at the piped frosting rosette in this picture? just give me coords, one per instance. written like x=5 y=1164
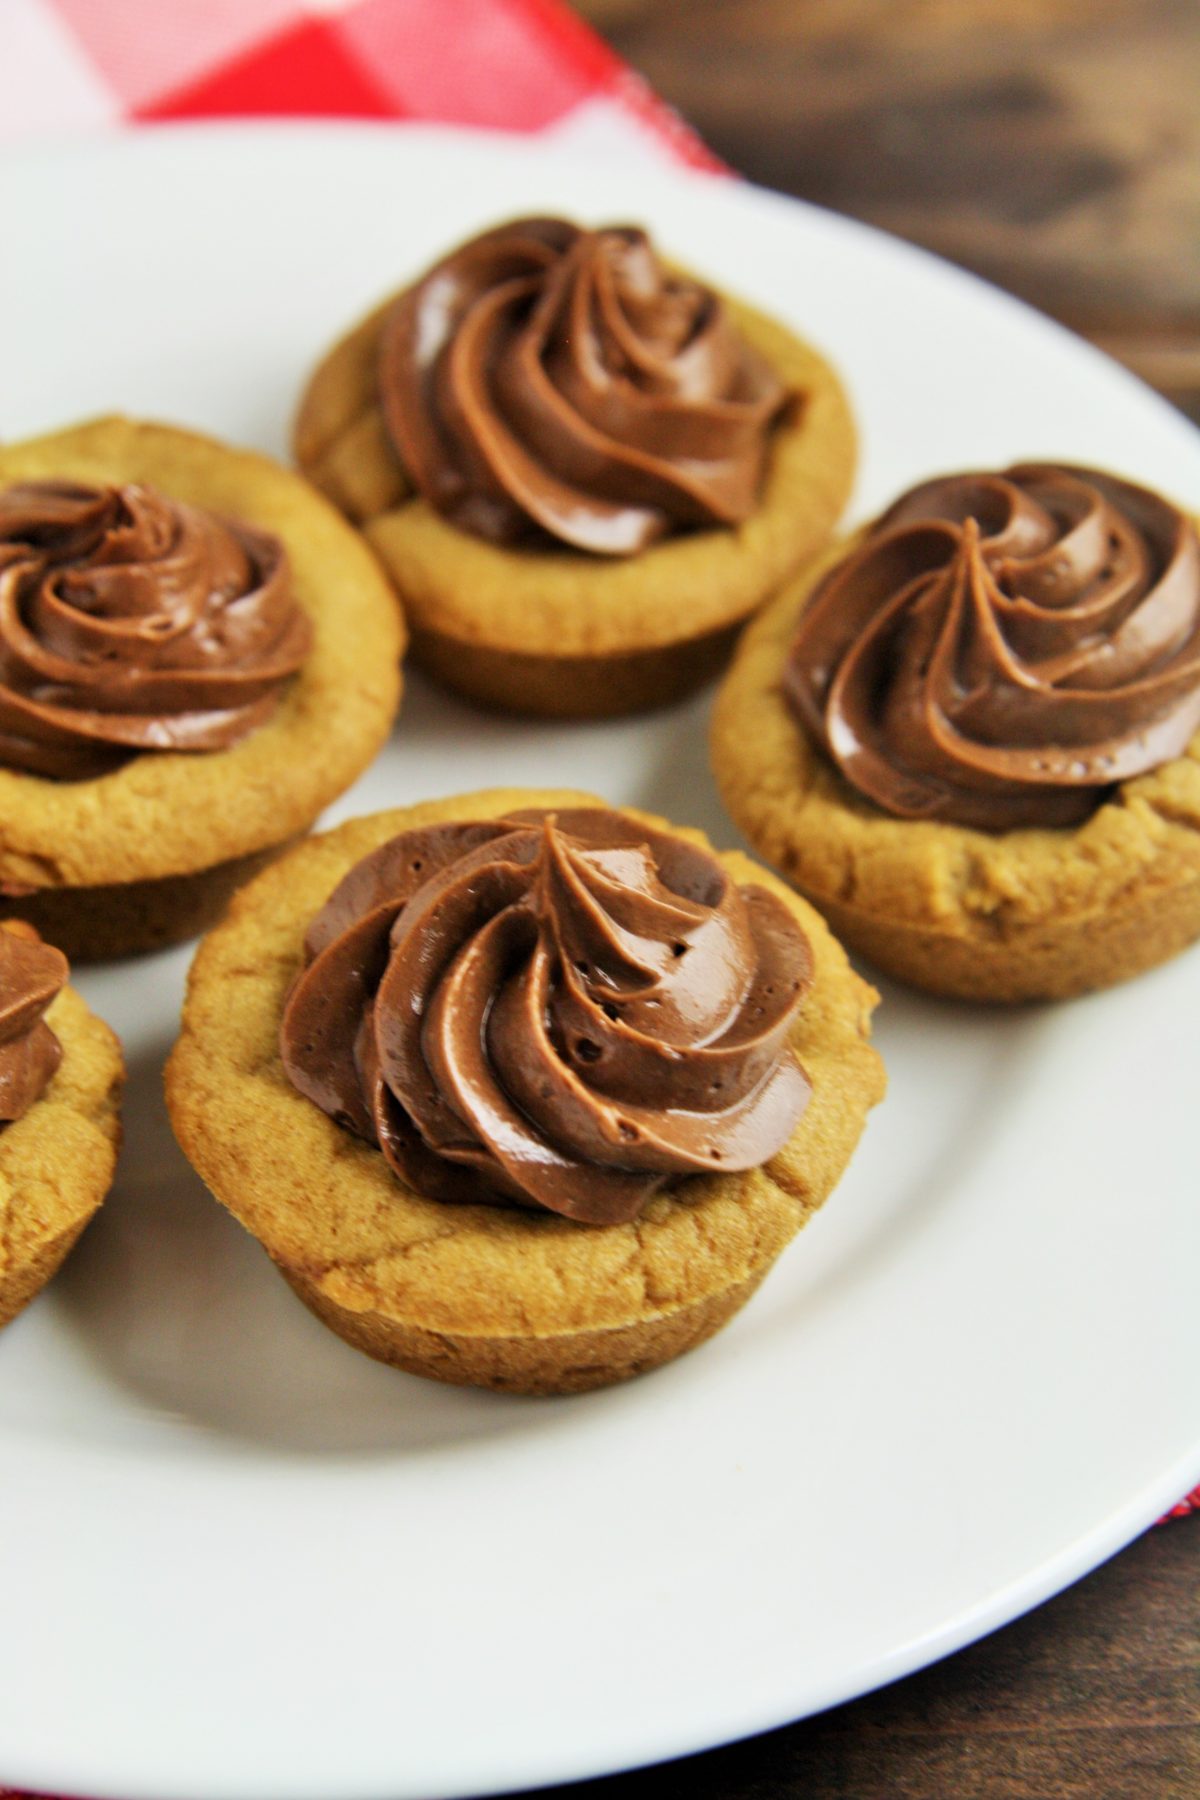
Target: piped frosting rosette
x=559 y=1010
x=1001 y=649
x=131 y=622
x=31 y=975
x=546 y=380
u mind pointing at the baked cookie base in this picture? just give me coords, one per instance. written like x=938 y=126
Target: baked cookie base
x=1006 y=917
x=148 y=853
x=1055 y=960
x=57 y=1162
x=559 y=1363
x=554 y=632
x=499 y=1297
x=96 y=924
x=572 y=687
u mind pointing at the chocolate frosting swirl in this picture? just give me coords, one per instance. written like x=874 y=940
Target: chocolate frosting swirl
x=543 y=379
x=31 y=974
x=1002 y=648
x=131 y=622
x=562 y=1010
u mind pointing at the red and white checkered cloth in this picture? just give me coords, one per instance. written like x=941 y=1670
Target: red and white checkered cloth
x=526 y=66
x=518 y=65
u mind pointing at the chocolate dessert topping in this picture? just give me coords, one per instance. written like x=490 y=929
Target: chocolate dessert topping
x=31 y=974
x=130 y=622
x=543 y=379
x=561 y=1010
x=1002 y=648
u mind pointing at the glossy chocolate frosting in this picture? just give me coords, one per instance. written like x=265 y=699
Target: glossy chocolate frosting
x=131 y=622
x=31 y=974
x=1002 y=648
x=549 y=381
x=561 y=1010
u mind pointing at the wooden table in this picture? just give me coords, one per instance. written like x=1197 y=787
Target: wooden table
x=1054 y=147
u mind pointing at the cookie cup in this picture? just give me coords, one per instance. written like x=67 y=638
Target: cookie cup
x=559 y=632
x=57 y=1161
x=497 y=1297
x=150 y=853
x=1034 y=914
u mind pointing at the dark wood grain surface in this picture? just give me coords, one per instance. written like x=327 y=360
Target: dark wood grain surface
x=1054 y=147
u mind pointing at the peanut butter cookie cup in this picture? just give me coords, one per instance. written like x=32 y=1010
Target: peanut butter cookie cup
x=61 y=1072
x=969 y=734
x=519 y=1091
x=196 y=656
x=583 y=470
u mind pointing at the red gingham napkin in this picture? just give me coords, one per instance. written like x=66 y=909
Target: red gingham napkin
x=518 y=65
x=526 y=66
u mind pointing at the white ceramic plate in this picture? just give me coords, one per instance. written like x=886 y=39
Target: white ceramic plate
x=239 y=1560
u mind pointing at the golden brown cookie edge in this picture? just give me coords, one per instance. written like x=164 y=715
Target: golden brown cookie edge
x=57 y=1162
x=172 y=814
x=549 y=631
x=555 y=1284
x=1007 y=917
